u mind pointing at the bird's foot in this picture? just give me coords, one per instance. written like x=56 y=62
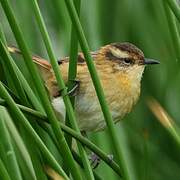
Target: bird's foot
x=73 y=92
x=95 y=159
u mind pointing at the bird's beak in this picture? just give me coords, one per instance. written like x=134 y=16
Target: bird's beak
x=150 y=61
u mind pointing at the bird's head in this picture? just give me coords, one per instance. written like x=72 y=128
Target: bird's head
x=126 y=58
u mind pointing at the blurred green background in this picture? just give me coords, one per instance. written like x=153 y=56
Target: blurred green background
x=148 y=149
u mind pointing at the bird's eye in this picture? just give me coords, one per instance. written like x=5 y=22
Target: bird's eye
x=127 y=61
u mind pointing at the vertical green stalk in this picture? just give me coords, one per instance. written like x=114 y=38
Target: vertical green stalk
x=9 y=80
x=164 y=119
x=99 y=90
x=18 y=74
x=72 y=70
x=174 y=134
x=174 y=7
x=2 y=36
x=66 y=154
x=3 y=172
x=8 y=61
x=73 y=53
x=12 y=164
x=6 y=70
x=61 y=85
x=43 y=118
x=25 y=159
x=73 y=58
x=31 y=96
x=173 y=29
x=19 y=115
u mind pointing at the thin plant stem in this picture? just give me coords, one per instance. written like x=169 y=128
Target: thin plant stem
x=23 y=151
x=61 y=85
x=76 y=156
x=20 y=116
x=99 y=90
x=73 y=133
x=73 y=54
x=65 y=151
x=72 y=71
x=8 y=61
x=30 y=94
x=2 y=36
x=164 y=119
x=78 y=159
x=173 y=29
x=3 y=172
x=175 y=135
x=174 y=7
x=6 y=142
x=12 y=72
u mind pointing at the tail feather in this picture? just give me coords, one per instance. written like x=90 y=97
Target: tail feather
x=37 y=59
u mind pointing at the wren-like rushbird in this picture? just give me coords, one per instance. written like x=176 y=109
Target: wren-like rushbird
x=120 y=67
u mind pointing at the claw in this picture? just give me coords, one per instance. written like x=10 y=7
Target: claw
x=73 y=92
x=94 y=160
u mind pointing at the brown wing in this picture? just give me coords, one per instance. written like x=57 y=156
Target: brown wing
x=45 y=70
x=47 y=74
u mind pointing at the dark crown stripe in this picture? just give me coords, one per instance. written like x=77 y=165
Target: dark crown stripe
x=130 y=48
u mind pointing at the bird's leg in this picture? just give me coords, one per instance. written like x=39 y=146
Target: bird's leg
x=94 y=158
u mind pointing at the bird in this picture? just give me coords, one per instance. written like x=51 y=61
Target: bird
x=120 y=67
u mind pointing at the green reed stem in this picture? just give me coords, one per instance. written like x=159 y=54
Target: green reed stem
x=79 y=161
x=73 y=57
x=173 y=28
x=20 y=77
x=25 y=156
x=2 y=36
x=66 y=154
x=72 y=71
x=73 y=133
x=3 y=172
x=175 y=134
x=12 y=73
x=61 y=85
x=175 y=8
x=8 y=61
x=19 y=115
x=73 y=54
x=12 y=164
x=99 y=90
x=76 y=156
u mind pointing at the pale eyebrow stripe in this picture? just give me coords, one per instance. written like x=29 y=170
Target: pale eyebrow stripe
x=118 y=53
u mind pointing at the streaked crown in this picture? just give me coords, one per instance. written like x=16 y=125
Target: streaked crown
x=125 y=54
